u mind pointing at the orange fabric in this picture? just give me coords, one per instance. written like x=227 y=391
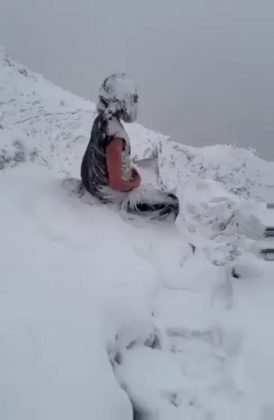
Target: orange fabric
x=114 y=162
x=114 y=166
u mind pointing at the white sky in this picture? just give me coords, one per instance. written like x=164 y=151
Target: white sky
x=205 y=68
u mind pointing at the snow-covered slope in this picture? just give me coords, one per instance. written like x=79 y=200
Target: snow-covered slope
x=102 y=318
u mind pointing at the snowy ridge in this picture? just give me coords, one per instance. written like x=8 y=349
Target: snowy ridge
x=49 y=121
x=100 y=318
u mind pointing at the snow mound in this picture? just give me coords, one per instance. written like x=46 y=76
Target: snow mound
x=110 y=319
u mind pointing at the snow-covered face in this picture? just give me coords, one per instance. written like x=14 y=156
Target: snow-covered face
x=119 y=95
x=130 y=108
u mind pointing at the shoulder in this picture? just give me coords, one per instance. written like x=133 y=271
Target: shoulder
x=115 y=129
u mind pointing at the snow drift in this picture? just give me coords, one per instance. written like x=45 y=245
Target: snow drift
x=103 y=318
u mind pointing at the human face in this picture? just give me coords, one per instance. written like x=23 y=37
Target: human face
x=130 y=108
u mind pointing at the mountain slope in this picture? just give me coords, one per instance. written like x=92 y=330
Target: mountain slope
x=104 y=318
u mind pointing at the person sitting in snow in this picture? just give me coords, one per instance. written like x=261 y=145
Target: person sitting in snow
x=106 y=170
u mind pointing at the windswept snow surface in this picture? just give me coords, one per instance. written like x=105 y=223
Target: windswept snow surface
x=103 y=317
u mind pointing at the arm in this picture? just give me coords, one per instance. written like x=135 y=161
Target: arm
x=114 y=166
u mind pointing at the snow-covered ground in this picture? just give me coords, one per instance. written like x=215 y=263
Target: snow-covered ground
x=105 y=318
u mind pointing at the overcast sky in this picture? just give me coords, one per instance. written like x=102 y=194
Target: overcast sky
x=205 y=68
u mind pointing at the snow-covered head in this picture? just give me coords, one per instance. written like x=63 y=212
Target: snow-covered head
x=118 y=95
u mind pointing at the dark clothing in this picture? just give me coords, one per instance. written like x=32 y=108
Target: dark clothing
x=94 y=166
x=94 y=172
x=167 y=208
x=156 y=205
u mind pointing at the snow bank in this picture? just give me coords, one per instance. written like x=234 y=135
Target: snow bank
x=68 y=294
x=105 y=318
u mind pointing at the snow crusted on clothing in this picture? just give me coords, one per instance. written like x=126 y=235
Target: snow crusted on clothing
x=102 y=318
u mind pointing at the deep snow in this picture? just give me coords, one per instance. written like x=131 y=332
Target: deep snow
x=99 y=313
